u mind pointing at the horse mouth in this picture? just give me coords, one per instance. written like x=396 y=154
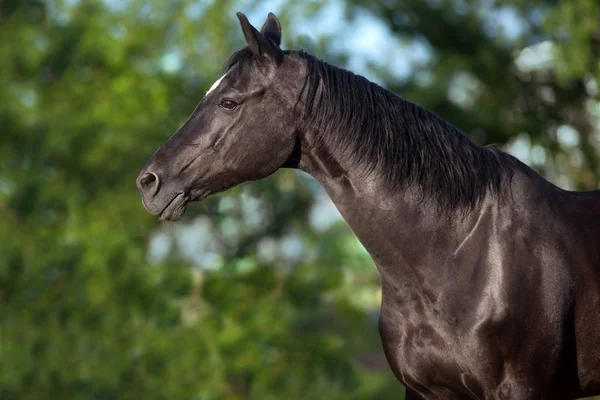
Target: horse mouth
x=175 y=209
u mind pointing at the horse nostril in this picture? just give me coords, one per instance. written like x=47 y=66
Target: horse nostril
x=148 y=181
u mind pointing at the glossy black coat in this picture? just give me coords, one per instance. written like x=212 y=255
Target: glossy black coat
x=490 y=274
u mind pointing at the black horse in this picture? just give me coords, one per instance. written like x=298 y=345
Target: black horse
x=490 y=274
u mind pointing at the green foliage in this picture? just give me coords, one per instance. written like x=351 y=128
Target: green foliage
x=88 y=90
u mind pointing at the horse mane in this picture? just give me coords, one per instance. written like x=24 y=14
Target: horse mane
x=404 y=143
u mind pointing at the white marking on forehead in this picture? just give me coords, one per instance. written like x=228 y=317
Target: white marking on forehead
x=214 y=85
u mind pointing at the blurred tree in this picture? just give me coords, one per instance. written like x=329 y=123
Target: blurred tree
x=88 y=91
x=246 y=298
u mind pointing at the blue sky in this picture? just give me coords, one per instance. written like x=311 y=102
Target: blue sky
x=366 y=39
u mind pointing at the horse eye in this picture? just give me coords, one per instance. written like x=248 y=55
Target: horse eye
x=228 y=104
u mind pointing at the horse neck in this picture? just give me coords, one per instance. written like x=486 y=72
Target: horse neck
x=401 y=226
x=401 y=230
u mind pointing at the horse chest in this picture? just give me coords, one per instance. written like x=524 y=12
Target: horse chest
x=430 y=352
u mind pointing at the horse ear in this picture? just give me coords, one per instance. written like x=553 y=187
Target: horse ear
x=272 y=29
x=257 y=42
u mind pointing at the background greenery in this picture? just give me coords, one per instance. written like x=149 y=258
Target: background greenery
x=260 y=293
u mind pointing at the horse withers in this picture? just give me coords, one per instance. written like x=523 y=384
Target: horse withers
x=490 y=274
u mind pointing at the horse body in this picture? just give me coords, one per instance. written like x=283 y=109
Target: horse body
x=481 y=306
x=490 y=275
